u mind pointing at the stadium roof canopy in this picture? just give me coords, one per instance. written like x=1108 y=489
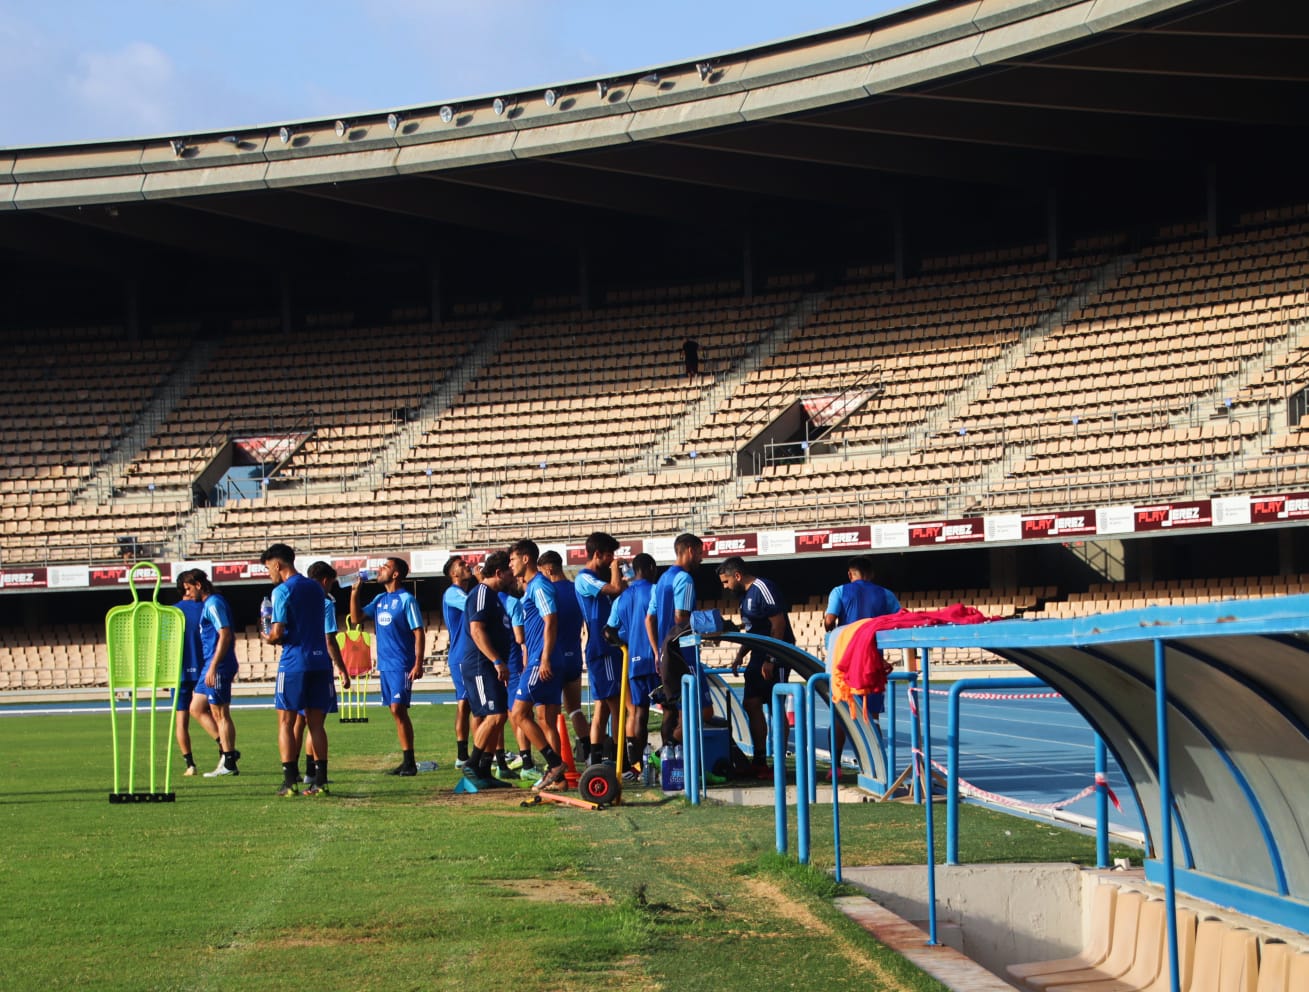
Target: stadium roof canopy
x=935 y=129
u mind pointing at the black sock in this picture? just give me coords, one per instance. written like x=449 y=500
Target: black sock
x=408 y=760
x=463 y=749
x=483 y=765
x=290 y=772
x=320 y=772
x=475 y=758
x=551 y=756
x=310 y=766
x=526 y=755
x=229 y=759
x=190 y=761
x=501 y=760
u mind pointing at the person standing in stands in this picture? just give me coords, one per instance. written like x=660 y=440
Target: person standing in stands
x=192 y=660
x=858 y=599
x=304 y=670
x=597 y=585
x=763 y=612
x=400 y=638
x=212 y=703
x=626 y=625
x=452 y=612
x=569 y=645
x=691 y=353
x=540 y=685
x=325 y=575
x=484 y=661
x=672 y=599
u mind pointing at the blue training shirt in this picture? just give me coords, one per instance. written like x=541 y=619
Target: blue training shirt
x=513 y=607
x=538 y=603
x=674 y=591
x=193 y=653
x=568 y=635
x=395 y=617
x=484 y=606
x=861 y=600
x=452 y=612
x=596 y=606
x=759 y=605
x=217 y=615
x=298 y=606
x=627 y=616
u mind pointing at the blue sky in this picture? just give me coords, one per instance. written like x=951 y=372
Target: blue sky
x=83 y=70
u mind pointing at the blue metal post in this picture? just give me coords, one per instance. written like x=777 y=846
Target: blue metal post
x=915 y=744
x=690 y=739
x=927 y=786
x=890 y=751
x=810 y=725
x=952 y=759
x=1166 y=811
x=1101 y=803
x=802 y=761
x=811 y=691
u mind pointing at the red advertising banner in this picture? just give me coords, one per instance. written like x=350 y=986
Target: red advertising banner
x=965 y=531
x=836 y=539
x=1197 y=513
x=1074 y=524
x=237 y=571
x=22 y=578
x=116 y=575
x=727 y=545
x=577 y=552
x=1270 y=509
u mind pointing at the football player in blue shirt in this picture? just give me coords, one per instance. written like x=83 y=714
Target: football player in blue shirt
x=325 y=575
x=400 y=638
x=859 y=599
x=568 y=642
x=626 y=625
x=212 y=703
x=192 y=660
x=513 y=607
x=452 y=612
x=597 y=585
x=540 y=685
x=484 y=662
x=763 y=612
x=304 y=670
x=671 y=601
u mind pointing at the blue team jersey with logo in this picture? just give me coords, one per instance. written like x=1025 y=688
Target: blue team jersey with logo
x=193 y=653
x=596 y=605
x=759 y=605
x=861 y=600
x=569 y=632
x=298 y=606
x=395 y=617
x=329 y=616
x=627 y=616
x=217 y=615
x=674 y=591
x=513 y=608
x=452 y=612
x=538 y=603
x=483 y=606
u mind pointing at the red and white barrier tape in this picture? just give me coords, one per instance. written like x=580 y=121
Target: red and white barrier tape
x=993 y=695
x=966 y=788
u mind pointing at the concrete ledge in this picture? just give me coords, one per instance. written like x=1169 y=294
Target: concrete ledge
x=945 y=964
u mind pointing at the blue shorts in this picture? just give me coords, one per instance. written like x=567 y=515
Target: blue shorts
x=756 y=686
x=641 y=687
x=182 y=697
x=221 y=693
x=487 y=695
x=300 y=691
x=570 y=666
x=457 y=676
x=538 y=691
x=332 y=707
x=397 y=688
x=605 y=676
x=515 y=676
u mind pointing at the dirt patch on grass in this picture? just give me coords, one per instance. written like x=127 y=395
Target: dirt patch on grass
x=572 y=891
x=802 y=916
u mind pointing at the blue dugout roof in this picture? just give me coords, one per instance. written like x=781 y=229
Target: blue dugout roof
x=1235 y=679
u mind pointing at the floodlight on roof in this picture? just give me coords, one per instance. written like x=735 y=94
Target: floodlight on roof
x=178 y=146
x=551 y=97
x=230 y=139
x=393 y=121
x=285 y=134
x=499 y=106
x=651 y=77
x=447 y=114
x=340 y=128
x=705 y=69
x=602 y=88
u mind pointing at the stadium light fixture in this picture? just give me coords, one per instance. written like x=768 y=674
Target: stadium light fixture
x=499 y=106
x=551 y=97
x=285 y=134
x=340 y=127
x=602 y=88
x=178 y=145
x=230 y=139
x=652 y=78
x=706 y=70
x=447 y=113
x=393 y=121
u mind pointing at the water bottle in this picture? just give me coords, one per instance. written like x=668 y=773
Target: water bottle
x=427 y=766
x=266 y=616
x=363 y=575
x=626 y=569
x=647 y=767
x=677 y=752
